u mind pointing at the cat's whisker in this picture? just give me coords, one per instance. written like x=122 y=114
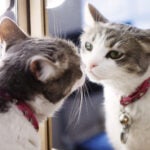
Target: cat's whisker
x=80 y=104
x=82 y=96
x=74 y=113
x=89 y=98
x=60 y=30
x=54 y=24
x=57 y=28
x=86 y=97
x=87 y=91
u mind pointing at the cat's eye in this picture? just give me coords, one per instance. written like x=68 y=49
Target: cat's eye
x=114 y=54
x=88 y=46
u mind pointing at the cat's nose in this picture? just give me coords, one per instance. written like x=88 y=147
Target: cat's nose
x=92 y=66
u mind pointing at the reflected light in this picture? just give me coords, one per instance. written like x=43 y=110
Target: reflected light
x=3 y=6
x=54 y=3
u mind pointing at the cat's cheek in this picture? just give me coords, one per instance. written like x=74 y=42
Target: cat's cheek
x=93 y=77
x=79 y=83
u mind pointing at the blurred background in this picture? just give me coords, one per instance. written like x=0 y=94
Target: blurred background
x=79 y=125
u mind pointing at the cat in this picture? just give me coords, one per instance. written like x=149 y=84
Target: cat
x=36 y=76
x=118 y=57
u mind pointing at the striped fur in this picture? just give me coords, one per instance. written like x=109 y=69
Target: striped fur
x=120 y=77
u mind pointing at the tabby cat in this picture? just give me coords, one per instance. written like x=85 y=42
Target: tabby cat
x=118 y=57
x=36 y=75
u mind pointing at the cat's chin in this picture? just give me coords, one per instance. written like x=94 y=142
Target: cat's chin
x=93 y=77
x=79 y=83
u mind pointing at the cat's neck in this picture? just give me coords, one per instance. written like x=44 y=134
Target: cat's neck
x=129 y=85
x=43 y=108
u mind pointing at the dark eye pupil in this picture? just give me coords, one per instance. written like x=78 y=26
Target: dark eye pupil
x=114 y=55
x=88 y=46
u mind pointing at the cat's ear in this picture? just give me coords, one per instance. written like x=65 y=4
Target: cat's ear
x=92 y=15
x=42 y=68
x=9 y=31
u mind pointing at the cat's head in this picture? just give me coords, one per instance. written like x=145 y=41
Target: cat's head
x=49 y=67
x=112 y=51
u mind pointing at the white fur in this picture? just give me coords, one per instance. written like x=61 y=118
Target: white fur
x=48 y=69
x=20 y=133
x=43 y=108
x=2 y=53
x=139 y=134
x=117 y=82
x=17 y=133
x=97 y=57
x=3 y=44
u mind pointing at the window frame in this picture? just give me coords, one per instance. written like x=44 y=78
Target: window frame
x=32 y=18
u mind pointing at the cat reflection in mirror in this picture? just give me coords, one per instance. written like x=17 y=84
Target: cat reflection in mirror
x=118 y=57
x=36 y=75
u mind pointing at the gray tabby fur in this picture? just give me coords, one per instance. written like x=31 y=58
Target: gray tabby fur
x=17 y=76
x=134 y=42
x=41 y=72
x=120 y=77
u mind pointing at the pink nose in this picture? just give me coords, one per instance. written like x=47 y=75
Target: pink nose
x=92 y=66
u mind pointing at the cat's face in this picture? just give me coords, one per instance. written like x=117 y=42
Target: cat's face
x=32 y=66
x=111 y=51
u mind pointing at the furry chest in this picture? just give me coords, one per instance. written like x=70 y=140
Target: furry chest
x=139 y=134
x=17 y=131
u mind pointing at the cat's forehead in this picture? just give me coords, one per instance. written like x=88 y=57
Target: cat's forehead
x=110 y=35
x=40 y=45
x=102 y=29
x=48 y=42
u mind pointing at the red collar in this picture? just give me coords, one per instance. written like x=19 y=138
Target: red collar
x=140 y=91
x=28 y=113
x=22 y=106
